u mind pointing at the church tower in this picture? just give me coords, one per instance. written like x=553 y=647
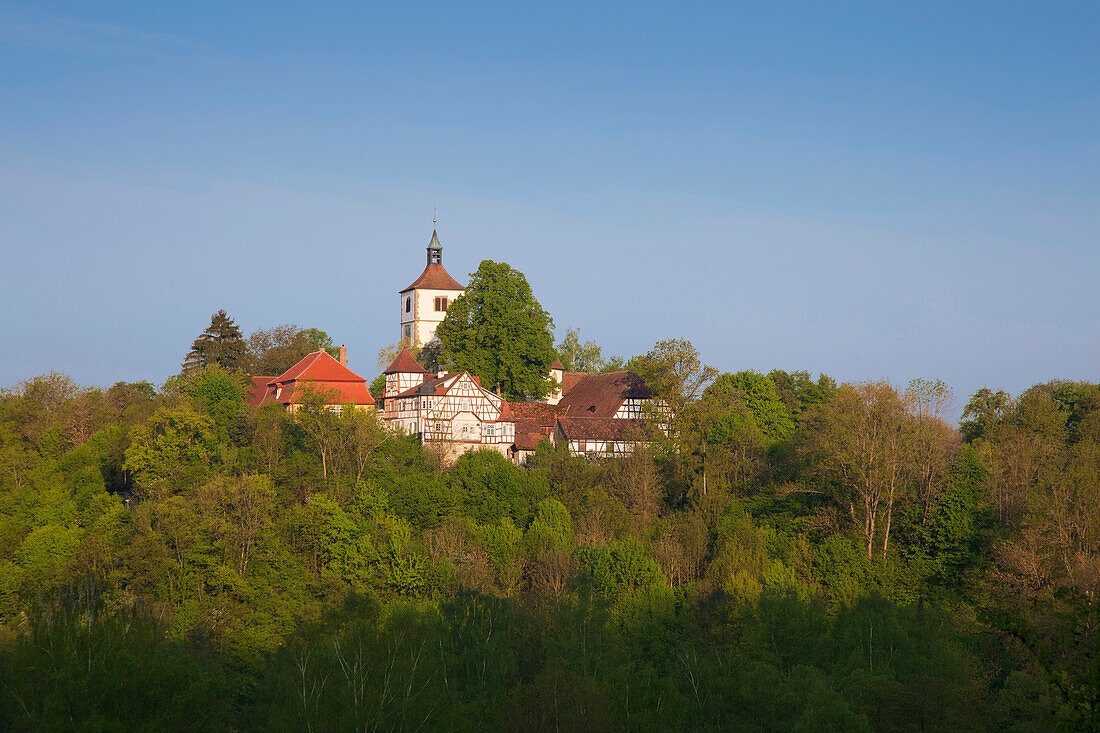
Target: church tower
x=424 y=303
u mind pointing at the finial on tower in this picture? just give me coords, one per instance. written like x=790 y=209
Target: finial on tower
x=435 y=249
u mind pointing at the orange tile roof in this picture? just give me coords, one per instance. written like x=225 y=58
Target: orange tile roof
x=318 y=365
x=534 y=422
x=319 y=369
x=405 y=364
x=435 y=277
x=569 y=380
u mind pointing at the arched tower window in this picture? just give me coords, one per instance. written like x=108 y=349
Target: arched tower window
x=408 y=305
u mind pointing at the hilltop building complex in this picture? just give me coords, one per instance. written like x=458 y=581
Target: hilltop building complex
x=592 y=414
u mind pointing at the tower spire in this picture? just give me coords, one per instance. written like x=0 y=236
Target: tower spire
x=435 y=249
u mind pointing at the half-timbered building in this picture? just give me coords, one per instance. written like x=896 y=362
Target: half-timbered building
x=448 y=410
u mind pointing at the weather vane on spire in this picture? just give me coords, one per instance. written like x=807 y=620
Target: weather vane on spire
x=434 y=219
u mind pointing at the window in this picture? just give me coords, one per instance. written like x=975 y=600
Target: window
x=408 y=331
x=408 y=305
x=441 y=304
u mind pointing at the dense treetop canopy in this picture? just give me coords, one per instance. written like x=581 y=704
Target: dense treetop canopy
x=790 y=555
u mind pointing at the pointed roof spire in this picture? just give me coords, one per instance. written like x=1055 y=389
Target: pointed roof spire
x=405 y=364
x=435 y=249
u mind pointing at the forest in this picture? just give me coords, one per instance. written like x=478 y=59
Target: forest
x=782 y=553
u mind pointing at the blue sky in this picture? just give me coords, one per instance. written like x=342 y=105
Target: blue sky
x=871 y=190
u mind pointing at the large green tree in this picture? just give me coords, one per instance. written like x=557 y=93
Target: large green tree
x=758 y=393
x=498 y=331
x=274 y=350
x=221 y=343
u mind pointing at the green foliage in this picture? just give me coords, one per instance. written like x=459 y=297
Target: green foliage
x=620 y=567
x=168 y=560
x=273 y=351
x=378 y=386
x=586 y=357
x=552 y=528
x=491 y=486
x=172 y=451
x=499 y=332
x=756 y=392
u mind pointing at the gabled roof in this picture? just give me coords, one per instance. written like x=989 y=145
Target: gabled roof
x=318 y=369
x=435 y=277
x=557 y=365
x=357 y=393
x=405 y=364
x=601 y=395
x=440 y=386
x=321 y=366
x=540 y=411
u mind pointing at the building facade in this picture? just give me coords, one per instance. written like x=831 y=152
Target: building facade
x=450 y=411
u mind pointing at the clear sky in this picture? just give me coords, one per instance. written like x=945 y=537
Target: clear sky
x=872 y=190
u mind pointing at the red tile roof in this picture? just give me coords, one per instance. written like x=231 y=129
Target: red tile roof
x=557 y=365
x=597 y=428
x=259 y=390
x=601 y=395
x=318 y=369
x=569 y=380
x=435 y=277
x=405 y=364
x=320 y=366
x=534 y=422
x=540 y=411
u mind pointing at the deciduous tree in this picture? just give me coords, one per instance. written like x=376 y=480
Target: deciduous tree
x=498 y=331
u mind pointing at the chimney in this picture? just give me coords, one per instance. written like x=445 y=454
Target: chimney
x=343 y=356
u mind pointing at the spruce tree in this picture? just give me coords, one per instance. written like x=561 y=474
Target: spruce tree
x=221 y=343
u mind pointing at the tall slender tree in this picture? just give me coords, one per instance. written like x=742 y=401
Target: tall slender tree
x=221 y=343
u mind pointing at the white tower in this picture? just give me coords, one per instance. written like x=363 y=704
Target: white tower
x=424 y=303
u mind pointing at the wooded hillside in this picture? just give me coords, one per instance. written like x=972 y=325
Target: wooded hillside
x=795 y=555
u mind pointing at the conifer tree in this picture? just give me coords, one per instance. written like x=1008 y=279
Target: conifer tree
x=221 y=343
